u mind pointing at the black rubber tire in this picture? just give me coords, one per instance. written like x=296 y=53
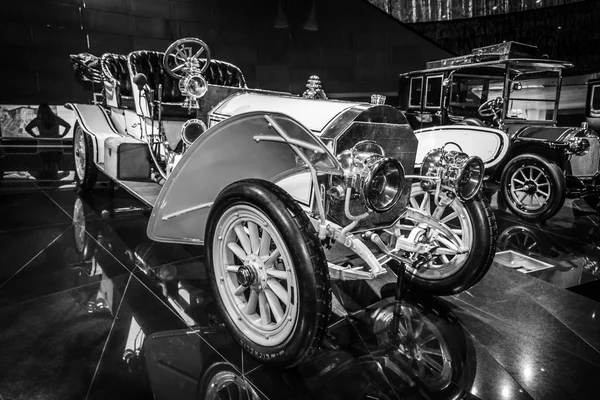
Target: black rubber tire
x=90 y=174
x=479 y=260
x=307 y=253
x=555 y=177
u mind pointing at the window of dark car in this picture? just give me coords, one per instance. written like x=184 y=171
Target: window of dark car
x=433 y=94
x=416 y=86
x=595 y=101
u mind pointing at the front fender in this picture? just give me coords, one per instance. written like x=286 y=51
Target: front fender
x=240 y=147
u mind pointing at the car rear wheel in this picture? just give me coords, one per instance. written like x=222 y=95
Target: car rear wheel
x=268 y=272
x=532 y=187
x=85 y=169
x=449 y=272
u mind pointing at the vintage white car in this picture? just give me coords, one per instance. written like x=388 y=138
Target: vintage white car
x=285 y=192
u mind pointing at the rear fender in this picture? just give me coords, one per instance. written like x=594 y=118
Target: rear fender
x=241 y=147
x=94 y=121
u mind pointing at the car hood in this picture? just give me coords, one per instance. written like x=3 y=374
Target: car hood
x=314 y=114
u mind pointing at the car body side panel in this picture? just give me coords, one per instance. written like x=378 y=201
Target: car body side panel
x=489 y=144
x=94 y=121
x=225 y=153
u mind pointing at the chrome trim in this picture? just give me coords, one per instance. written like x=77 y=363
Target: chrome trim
x=295 y=142
x=186 y=211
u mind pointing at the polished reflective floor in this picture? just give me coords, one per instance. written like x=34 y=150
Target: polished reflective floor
x=90 y=308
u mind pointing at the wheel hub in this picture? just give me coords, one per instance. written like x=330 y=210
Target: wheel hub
x=530 y=187
x=245 y=276
x=252 y=273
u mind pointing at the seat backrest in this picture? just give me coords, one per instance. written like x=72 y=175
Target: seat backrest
x=150 y=63
x=115 y=69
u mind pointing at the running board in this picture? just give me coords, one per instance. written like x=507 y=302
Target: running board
x=146 y=192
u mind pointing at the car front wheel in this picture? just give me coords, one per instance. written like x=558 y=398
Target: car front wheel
x=532 y=187
x=268 y=272
x=449 y=272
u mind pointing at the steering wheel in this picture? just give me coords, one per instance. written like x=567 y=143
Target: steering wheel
x=184 y=56
x=491 y=108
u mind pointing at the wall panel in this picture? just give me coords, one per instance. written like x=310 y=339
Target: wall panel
x=101 y=43
x=150 y=8
x=118 y=6
x=54 y=14
x=157 y=28
x=107 y=22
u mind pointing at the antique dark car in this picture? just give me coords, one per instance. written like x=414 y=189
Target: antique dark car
x=501 y=104
x=284 y=191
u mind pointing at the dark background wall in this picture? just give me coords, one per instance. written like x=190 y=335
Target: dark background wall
x=357 y=48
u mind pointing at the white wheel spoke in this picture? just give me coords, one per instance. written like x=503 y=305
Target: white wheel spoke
x=435 y=352
x=545 y=194
x=265 y=244
x=252 y=301
x=445 y=259
x=438 y=212
x=406 y=227
x=413 y=202
x=530 y=173
x=519 y=181
x=459 y=232
x=446 y=251
x=244 y=239
x=278 y=289
x=197 y=55
x=275 y=273
x=425 y=203
x=426 y=339
x=254 y=237
x=449 y=217
x=237 y=250
x=448 y=244
x=240 y=289
x=273 y=257
x=522 y=172
x=233 y=268
x=274 y=305
x=432 y=363
x=265 y=313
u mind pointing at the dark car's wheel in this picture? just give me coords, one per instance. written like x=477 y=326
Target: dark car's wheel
x=532 y=187
x=474 y=224
x=268 y=272
x=85 y=169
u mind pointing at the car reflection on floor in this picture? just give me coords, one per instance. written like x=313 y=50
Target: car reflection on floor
x=379 y=351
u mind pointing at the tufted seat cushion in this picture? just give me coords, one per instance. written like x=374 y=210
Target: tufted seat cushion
x=116 y=73
x=150 y=63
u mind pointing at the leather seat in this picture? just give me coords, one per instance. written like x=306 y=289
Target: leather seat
x=150 y=63
x=116 y=73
